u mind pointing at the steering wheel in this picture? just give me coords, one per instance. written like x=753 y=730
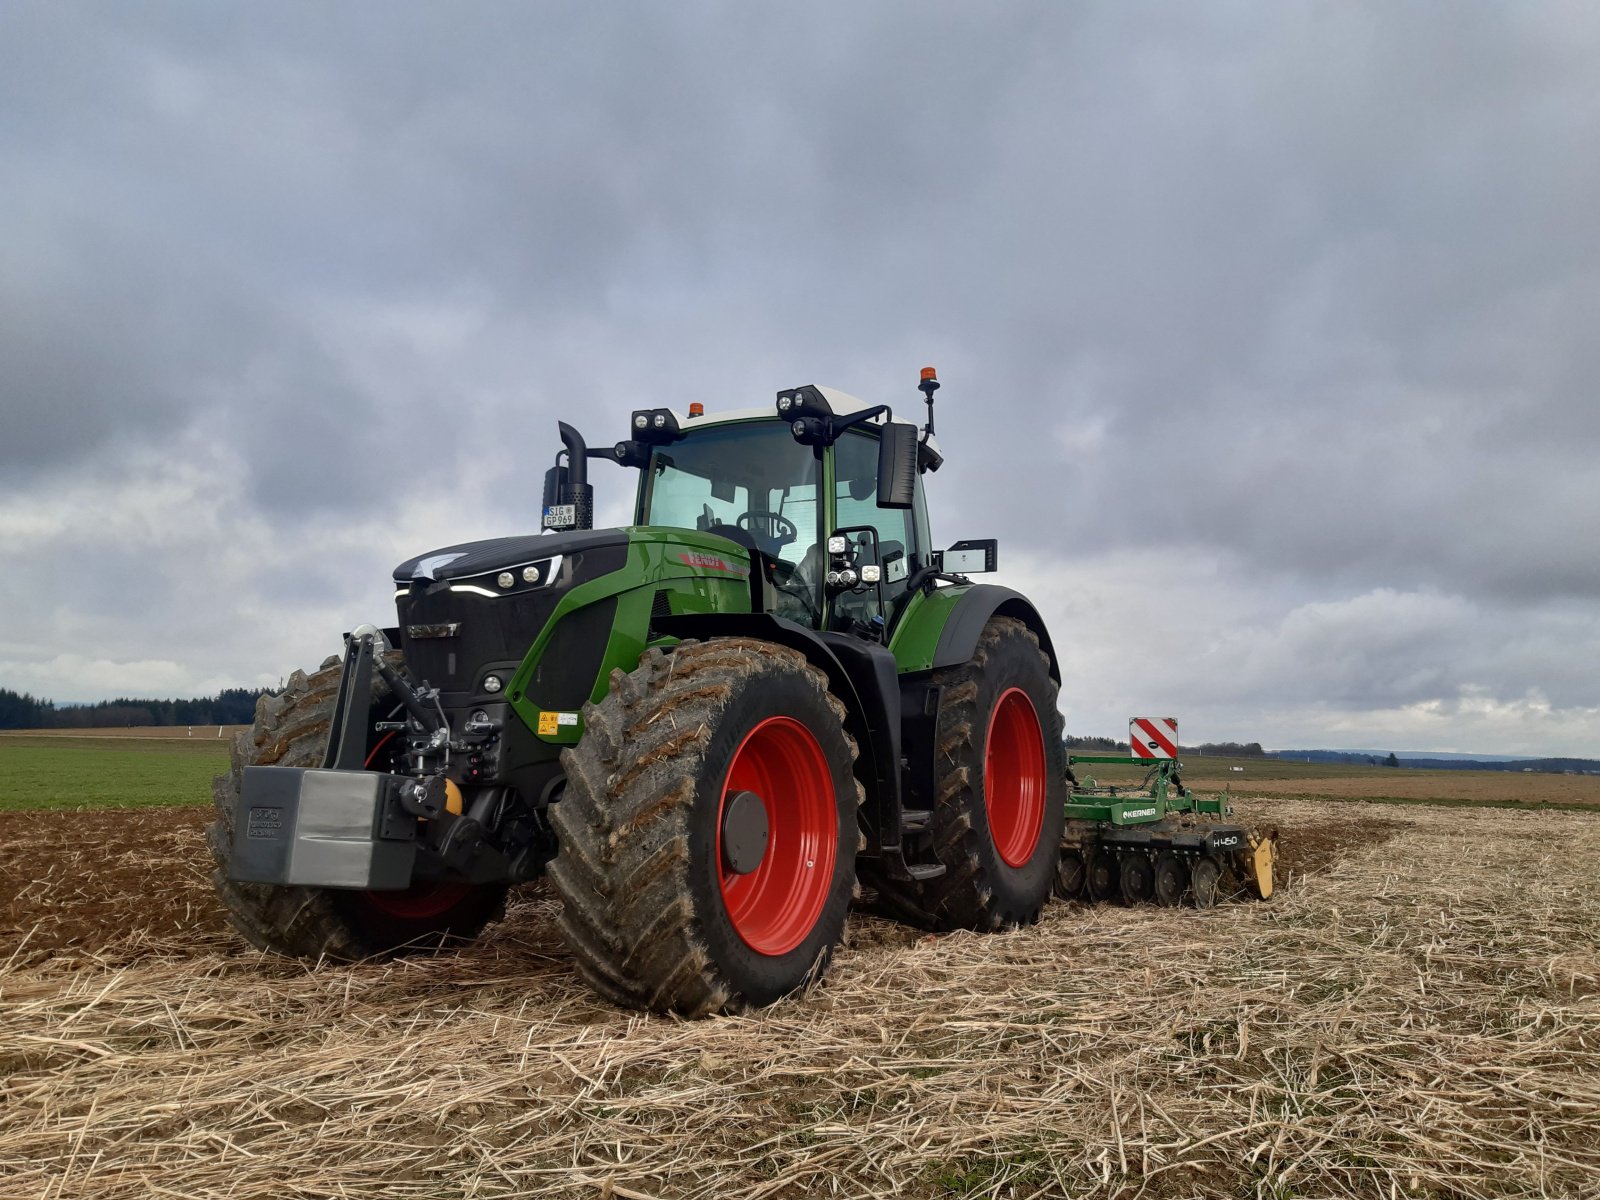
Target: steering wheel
x=780 y=529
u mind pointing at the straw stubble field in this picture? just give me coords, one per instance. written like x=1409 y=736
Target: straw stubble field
x=1416 y=1014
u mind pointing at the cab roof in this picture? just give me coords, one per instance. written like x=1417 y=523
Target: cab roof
x=842 y=404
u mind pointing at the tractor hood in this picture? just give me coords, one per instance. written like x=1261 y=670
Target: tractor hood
x=472 y=610
x=461 y=562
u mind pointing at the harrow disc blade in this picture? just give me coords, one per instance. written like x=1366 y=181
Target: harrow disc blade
x=1070 y=874
x=1104 y=880
x=1172 y=878
x=1137 y=877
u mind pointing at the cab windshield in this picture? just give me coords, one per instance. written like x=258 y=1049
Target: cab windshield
x=753 y=477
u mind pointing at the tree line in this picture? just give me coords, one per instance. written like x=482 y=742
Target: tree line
x=231 y=706
x=1106 y=745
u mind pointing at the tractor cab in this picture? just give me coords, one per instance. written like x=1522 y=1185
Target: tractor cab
x=748 y=477
x=823 y=492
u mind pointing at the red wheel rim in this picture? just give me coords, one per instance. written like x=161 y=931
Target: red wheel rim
x=776 y=906
x=1014 y=777
x=420 y=901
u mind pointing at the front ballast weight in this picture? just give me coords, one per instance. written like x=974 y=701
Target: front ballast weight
x=345 y=825
x=1157 y=841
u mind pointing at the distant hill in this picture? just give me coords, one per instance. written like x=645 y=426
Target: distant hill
x=1362 y=755
x=1106 y=745
x=1441 y=761
x=1554 y=766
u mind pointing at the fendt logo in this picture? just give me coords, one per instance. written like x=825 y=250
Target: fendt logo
x=710 y=562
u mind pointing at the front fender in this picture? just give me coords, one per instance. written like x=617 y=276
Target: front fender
x=860 y=674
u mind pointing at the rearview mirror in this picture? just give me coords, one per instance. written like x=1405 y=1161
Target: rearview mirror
x=897 y=465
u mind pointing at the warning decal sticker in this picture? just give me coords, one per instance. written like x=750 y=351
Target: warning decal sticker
x=551 y=722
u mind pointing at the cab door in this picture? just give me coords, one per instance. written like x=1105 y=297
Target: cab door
x=895 y=540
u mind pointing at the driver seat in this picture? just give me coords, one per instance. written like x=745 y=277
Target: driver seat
x=737 y=533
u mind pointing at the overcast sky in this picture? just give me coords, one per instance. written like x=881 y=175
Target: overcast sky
x=1268 y=331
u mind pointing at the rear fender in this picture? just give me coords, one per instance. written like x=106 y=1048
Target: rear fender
x=941 y=628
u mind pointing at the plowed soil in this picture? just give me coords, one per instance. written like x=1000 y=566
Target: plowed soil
x=104 y=884
x=1414 y=1014
x=85 y=882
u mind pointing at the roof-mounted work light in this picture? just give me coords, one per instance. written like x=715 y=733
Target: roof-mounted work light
x=655 y=426
x=799 y=403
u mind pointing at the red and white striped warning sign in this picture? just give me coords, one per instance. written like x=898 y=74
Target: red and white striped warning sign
x=1153 y=737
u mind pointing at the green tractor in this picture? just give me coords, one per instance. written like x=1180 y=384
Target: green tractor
x=711 y=730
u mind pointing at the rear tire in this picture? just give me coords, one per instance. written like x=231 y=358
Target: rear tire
x=291 y=730
x=1001 y=792
x=654 y=911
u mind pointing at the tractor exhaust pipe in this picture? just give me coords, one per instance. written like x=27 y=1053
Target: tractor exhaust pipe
x=568 y=495
x=577 y=456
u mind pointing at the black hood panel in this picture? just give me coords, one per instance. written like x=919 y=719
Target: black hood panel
x=474 y=558
x=458 y=620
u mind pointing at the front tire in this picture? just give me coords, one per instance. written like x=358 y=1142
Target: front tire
x=291 y=730
x=683 y=766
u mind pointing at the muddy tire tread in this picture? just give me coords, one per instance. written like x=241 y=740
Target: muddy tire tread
x=623 y=823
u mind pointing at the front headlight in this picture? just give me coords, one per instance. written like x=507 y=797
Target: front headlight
x=511 y=581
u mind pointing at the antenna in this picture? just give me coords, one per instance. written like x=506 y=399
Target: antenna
x=928 y=386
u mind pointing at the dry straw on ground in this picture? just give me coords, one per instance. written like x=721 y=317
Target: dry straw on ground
x=1417 y=1016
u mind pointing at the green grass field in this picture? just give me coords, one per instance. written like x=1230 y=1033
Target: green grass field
x=72 y=772
x=134 y=769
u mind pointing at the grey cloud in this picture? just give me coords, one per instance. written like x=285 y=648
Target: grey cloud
x=1319 y=320
x=1308 y=291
